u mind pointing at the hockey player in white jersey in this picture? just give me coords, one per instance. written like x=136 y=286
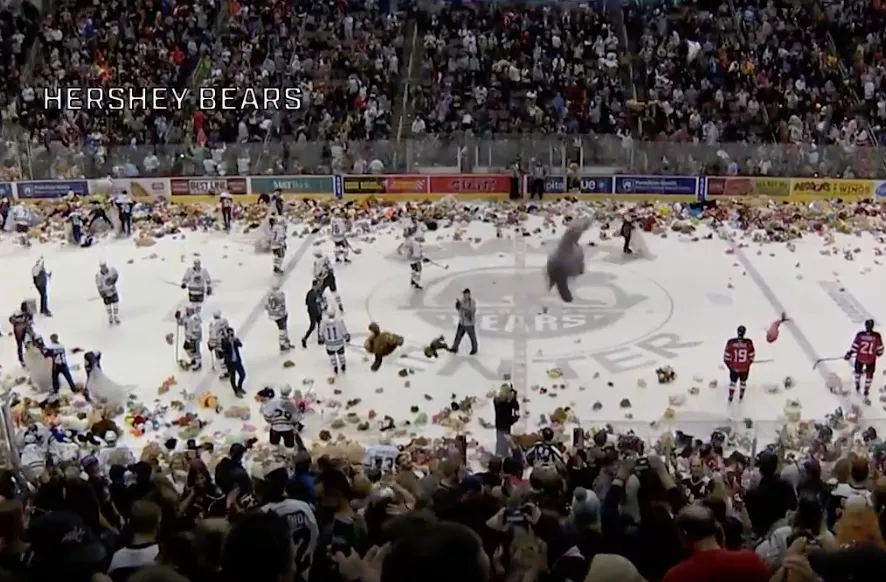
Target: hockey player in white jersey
x=284 y=418
x=106 y=283
x=198 y=284
x=340 y=240
x=193 y=331
x=21 y=218
x=275 y=305
x=217 y=327
x=324 y=273
x=415 y=255
x=335 y=335
x=277 y=242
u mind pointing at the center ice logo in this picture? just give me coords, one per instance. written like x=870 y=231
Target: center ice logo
x=612 y=306
x=507 y=301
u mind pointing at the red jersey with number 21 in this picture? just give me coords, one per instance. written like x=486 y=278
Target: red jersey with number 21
x=739 y=354
x=867 y=347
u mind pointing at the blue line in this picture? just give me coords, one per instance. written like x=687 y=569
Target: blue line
x=801 y=338
x=206 y=381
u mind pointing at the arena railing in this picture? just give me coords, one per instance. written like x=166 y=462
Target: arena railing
x=600 y=154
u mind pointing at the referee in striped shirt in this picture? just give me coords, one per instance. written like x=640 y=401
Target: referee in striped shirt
x=545 y=451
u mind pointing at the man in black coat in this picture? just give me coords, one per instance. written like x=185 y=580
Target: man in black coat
x=507 y=413
x=316 y=305
x=230 y=350
x=627 y=228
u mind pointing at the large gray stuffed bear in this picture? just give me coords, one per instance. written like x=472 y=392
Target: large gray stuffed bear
x=568 y=260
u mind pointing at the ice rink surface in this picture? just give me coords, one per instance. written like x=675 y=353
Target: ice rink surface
x=675 y=306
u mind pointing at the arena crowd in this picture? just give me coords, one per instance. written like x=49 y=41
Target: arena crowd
x=737 y=87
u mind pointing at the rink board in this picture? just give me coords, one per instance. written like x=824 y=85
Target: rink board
x=477 y=197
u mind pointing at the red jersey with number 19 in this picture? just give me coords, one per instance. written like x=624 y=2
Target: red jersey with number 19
x=739 y=354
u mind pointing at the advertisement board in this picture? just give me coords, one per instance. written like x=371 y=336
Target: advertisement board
x=47 y=189
x=139 y=189
x=292 y=186
x=652 y=187
x=187 y=190
x=824 y=188
x=744 y=187
x=471 y=185
x=7 y=190
x=421 y=187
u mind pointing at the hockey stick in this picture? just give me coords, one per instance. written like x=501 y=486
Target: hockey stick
x=769 y=361
x=439 y=265
x=821 y=360
x=177 y=328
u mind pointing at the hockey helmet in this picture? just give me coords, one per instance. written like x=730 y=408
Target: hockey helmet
x=869 y=325
x=741 y=331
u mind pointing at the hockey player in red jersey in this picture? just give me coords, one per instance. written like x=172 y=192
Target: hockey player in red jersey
x=866 y=347
x=738 y=357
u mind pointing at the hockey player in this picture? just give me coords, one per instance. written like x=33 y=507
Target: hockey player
x=277 y=242
x=193 y=329
x=866 y=347
x=22 y=322
x=339 y=239
x=75 y=219
x=315 y=302
x=283 y=417
x=335 y=335
x=92 y=361
x=21 y=218
x=198 y=284
x=106 y=283
x=56 y=352
x=41 y=283
x=275 y=205
x=324 y=273
x=97 y=213
x=275 y=305
x=217 y=328
x=227 y=210
x=738 y=356
x=415 y=255
x=124 y=212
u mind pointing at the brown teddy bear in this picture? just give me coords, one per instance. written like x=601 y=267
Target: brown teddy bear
x=380 y=344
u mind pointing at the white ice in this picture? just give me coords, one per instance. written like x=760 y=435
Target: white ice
x=630 y=317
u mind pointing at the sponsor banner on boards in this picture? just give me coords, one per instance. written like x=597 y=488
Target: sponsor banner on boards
x=137 y=188
x=600 y=185
x=43 y=189
x=880 y=188
x=470 y=184
x=832 y=188
x=209 y=186
x=292 y=184
x=656 y=185
x=741 y=187
x=7 y=190
x=370 y=185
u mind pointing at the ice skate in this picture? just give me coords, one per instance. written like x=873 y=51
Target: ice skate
x=344 y=368
x=196 y=366
x=304 y=343
x=335 y=370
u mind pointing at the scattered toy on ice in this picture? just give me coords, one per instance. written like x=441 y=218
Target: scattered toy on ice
x=665 y=375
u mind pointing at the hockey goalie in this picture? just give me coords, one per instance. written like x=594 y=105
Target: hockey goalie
x=381 y=344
